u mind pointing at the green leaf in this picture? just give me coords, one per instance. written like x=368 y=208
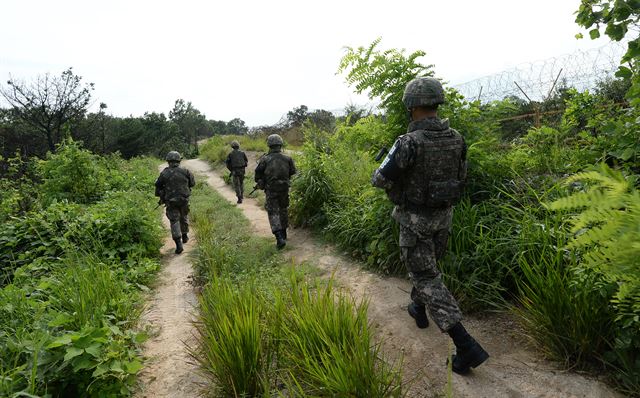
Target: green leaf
x=579 y=36
x=116 y=366
x=60 y=320
x=72 y=352
x=60 y=341
x=83 y=363
x=140 y=338
x=94 y=350
x=594 y=34
x=624 y=72
x=627 y=154
x=133 y=367
x=100 y=370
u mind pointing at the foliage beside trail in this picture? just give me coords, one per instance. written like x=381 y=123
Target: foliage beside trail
x=508 y=248
x=75 y=264
x=216 y=149
x=265 y=328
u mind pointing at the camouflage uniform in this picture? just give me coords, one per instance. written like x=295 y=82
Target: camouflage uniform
x=427 y=153
x=273 y=174
x=236 y=163
x=173 y=186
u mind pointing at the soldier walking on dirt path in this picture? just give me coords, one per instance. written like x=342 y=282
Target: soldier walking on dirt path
x=236 y=163
x=173 y=186
x=273 y=174
x=424 y=175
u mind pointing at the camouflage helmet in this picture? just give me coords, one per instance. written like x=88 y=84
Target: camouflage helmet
x=173 y=156
x=423 y=91
x=274 y=140
x=235 y=144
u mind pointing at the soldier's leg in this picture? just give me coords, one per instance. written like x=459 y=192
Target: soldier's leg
x=184 y=222
x=241 y=184
x=440 y=239
x=272 y=205
x=284 y=213
x=236 y=185
x=174 y=216
x=419 y=257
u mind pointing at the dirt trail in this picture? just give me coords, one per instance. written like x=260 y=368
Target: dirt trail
x=169 y=371
x=512 y=370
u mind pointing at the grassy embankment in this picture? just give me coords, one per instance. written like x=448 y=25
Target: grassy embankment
x=75 y=268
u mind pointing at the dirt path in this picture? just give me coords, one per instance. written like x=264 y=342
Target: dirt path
x=169 y=371
x=512 y=371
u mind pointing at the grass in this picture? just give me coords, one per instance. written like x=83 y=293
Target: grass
x=254 y=303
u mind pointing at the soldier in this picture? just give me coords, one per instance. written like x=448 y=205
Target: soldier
x=273 y=174
x=236 y=163
x=174 y=188
x=424 y=175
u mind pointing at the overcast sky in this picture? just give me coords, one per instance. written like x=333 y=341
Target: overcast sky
x=256 y=60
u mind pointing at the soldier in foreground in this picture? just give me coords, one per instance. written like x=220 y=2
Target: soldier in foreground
x=236 y=163
x=273 y=174
x=424 y=175
x=174 y=188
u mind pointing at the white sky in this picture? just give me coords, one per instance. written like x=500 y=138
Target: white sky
x=259 y=59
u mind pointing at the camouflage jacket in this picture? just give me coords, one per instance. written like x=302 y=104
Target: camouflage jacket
x=274 y=171
x=423 y=164
x=174 y=184
x=236 y=159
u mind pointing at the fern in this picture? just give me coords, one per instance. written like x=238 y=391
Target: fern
x=607 y=224
x=606 y=229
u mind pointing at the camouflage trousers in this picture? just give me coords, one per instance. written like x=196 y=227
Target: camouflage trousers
x=179 y=218
x=237 y=180
x=419 y=254
x=277 y=206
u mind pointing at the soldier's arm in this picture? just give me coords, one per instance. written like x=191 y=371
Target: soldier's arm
x=259 y=172
x=246 y=161
x=159 y=186
x=400 y=157
x=292 y=167
x=227 y=162
x=192 y=179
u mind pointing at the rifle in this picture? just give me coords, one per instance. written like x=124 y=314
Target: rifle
x=255 y=188
x=383 y=151
x=160 y=202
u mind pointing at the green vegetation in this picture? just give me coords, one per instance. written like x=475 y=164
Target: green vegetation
x=253 y=305
x=571 y=277
x=75 y=264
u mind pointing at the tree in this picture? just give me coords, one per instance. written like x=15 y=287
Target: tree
x=49 y=102
x=618 y=17
x=237 y=126
x=189 y=120
x=322 y=119
x=297 y=116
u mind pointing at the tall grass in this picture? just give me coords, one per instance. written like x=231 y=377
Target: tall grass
x=330 y=351
x=216 y=148
x=234 y=351
x=566 y=313
x=280 y=333
x=90 y=291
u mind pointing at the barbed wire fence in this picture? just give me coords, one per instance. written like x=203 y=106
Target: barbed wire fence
x=537 y=81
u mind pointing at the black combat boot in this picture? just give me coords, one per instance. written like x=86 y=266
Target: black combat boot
x=469 y=353
x=185 y=238
x=419 y=313
x=280 y=240
x=179 y=248
x=239 y=200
